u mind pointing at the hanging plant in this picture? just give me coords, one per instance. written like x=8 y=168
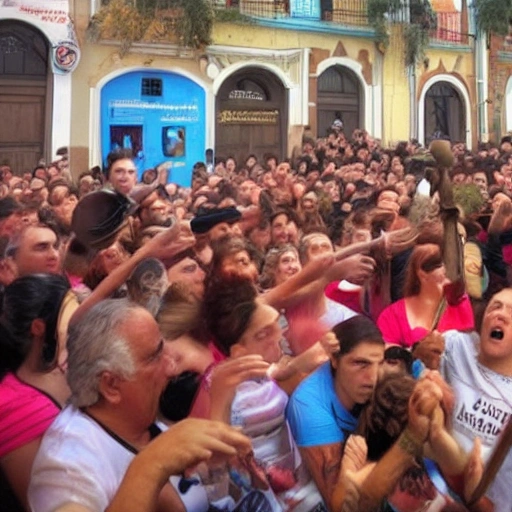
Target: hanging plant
x=422 y=19
x=416 y=41
x=232 y=15
x=378 y=12
x=187 y=22
x=493 y=16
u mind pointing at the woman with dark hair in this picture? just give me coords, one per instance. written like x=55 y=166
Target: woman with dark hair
x=247 y=330
x=33 y=384
x=424 y=306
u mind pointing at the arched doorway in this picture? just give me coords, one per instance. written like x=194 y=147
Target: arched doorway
x=445 y=113
x=339 y=97
x=251 y=115
x=25 y=95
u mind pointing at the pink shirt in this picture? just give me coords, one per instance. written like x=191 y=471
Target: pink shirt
x=25 y=413
x=395 y=328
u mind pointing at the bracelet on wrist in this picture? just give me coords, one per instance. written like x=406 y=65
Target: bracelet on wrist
x=409 y=444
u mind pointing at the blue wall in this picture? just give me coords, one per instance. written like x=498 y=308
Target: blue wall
x=160 y=116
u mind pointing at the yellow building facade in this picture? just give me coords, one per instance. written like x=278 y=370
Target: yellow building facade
x=293 y=69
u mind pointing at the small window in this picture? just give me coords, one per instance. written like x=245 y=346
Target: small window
x=173 y=141
x=152 y=87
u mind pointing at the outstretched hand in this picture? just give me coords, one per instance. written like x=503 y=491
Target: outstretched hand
x=172 y=241
x=394 y=242
x=191 y=441
x=430 y=349
x=357 y=269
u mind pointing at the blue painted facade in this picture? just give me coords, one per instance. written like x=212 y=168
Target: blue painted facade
x=160 y=116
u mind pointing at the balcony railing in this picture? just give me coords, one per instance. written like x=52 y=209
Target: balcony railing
x=340 y=12
x=450 y=28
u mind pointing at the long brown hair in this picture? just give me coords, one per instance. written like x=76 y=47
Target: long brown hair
x=426 y=257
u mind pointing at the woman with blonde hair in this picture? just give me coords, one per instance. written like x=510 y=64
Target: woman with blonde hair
x=281 y=263
x=180 y=322
x=425 y=306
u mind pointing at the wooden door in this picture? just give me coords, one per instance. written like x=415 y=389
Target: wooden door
x=23 y=95
x=339 y=97
x=22 y=136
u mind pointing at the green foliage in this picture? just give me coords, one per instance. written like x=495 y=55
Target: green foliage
x=232 y=15
x=416 y=40
x=416 y=33
x=493 y=15
x=377 y=11
x=469 y=198
x=195 y=26
x=187 y=22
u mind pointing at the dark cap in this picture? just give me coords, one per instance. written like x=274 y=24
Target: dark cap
x=210 y=218
x=99 y=216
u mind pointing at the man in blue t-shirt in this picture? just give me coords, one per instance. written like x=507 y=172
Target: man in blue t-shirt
x=323 y=410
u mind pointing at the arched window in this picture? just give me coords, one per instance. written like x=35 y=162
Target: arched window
x=444 y=113
x=23 y=52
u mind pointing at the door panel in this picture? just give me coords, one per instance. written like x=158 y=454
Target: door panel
x=22 y=137
x=24 y=79
x=251 y=116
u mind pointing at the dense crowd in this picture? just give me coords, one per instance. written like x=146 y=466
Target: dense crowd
x=327 y=332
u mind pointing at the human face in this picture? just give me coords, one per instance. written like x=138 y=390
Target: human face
x=272 y=164
x=459 y=178
x=281 y=173
x=37 y=252
x=356 y=373
x=230 y=165
x=260 y=238
x=263 y=334
x=496 y=334
x=240 y=264
x=318 y=246
x=480 y=180
x=63 y=204
x=245 y=192
x=250 y=162
x=333 y=189
x=123 y=175
x=154 y=366
x=287 y=267
x=434 y=280
x=223 y=229
x=268 y=180
x=190 y=274
x=278 y=232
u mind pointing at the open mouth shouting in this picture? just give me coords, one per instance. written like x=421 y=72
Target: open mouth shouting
x=497 y=334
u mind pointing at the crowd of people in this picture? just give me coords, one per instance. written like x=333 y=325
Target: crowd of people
x=302 y=334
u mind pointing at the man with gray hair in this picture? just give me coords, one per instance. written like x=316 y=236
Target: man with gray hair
x=118 y=365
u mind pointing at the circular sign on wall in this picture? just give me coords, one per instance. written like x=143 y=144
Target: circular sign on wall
x=65 y=56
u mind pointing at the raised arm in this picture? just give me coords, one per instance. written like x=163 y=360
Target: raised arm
x=164 y=245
